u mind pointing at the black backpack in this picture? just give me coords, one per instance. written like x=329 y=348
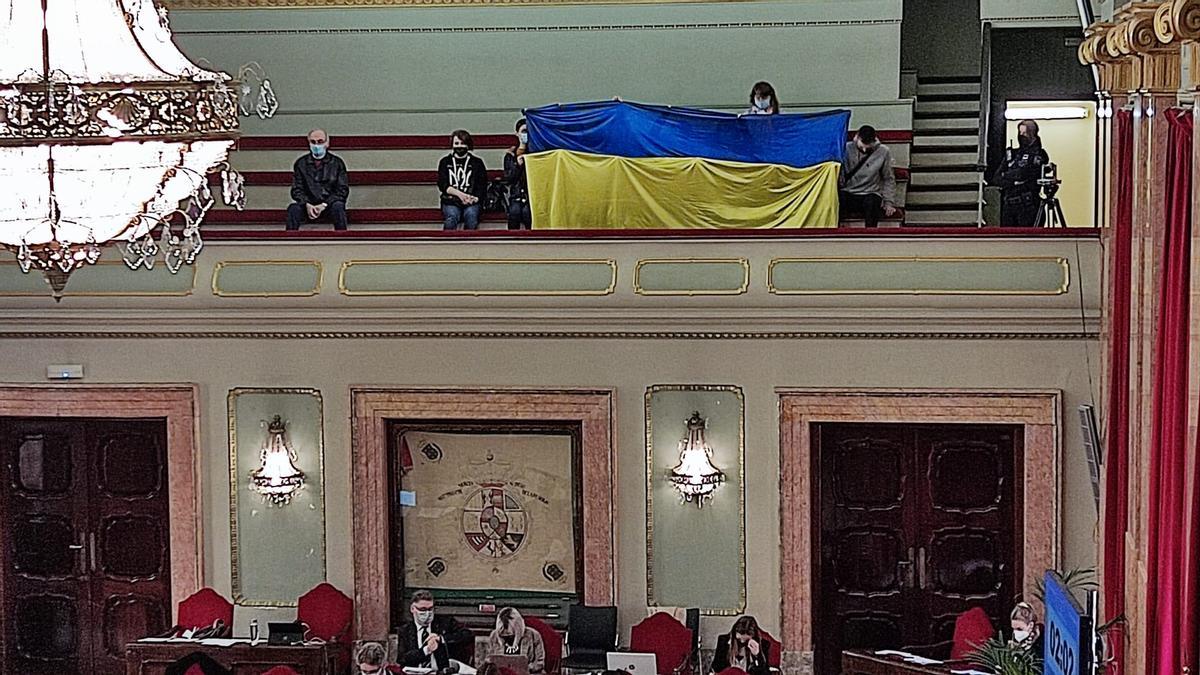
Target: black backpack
x=496 y=198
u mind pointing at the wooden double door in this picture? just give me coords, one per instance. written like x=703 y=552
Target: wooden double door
x=84 y=559
x=915 y=524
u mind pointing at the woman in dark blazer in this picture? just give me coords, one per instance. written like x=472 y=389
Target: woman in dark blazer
x=743 y=647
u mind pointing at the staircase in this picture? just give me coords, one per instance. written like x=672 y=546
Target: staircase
x=944 y=188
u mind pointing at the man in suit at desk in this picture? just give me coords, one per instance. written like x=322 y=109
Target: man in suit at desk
x=426 y=642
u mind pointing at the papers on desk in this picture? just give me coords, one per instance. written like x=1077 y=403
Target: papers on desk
x=463 y=669
x=166 y=639
x=209 y=642
x=970 y=672
x=418 y=671
x=910 y=658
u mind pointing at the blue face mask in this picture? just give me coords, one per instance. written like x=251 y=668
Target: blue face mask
x=318 y=151
x=762 y=103
x=523 y=137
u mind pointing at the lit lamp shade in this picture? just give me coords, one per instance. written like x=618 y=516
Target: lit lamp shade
x=695 y=477
x=277 y=479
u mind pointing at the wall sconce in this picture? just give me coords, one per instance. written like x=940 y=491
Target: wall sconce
x=695 y=476
x=277 y=478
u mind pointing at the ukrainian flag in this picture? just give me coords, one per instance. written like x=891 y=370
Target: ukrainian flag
x=614 y=165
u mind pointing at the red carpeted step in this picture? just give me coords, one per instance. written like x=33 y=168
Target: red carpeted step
x=364 y=216
x=357 y=178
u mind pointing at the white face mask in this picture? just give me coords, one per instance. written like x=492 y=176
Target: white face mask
x=423 y=617
x=1021 y=635
x=762 y=103
x=523 y=137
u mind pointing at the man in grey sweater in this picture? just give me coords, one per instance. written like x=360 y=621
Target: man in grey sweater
x=867 y=184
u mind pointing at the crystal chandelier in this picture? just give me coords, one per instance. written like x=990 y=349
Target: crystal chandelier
x=276 y=477
x=107 y=134
x=695 y=476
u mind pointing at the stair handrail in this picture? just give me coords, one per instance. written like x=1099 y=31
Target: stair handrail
x=985 y=112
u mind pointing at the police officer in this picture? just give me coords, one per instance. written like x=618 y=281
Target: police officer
x=1018 y=178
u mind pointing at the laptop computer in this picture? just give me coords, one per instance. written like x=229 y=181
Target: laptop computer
x=633 y=663
x=510 y=664
x=285 y=633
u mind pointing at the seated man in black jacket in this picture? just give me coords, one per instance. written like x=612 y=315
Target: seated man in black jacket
x=427 y=641
x=320 y=185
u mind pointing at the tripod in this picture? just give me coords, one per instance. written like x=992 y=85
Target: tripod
x=1050 y=213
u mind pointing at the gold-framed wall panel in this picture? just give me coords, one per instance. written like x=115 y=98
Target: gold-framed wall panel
x=239 y=598
x=651 y=597
x=68 y=293
x=365 y=4
x=741 y=290
x=1063 y=263
x=216 y=289
x=611 y=287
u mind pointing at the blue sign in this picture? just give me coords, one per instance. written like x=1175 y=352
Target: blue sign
x=1068 y=636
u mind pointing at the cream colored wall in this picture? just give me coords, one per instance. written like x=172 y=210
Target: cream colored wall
x=1030 y=12
x=628 y=366
x=1071 y=145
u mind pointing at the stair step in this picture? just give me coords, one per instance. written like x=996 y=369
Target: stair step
x=959 y=133
x=948 y=98
x=966 y=217
x=944 y=108
x=943 y=206
x=961 y=199
x=925 y=114
x=941 y=148
x=959 y=188
x=948 y=79
x=956 y=159
x=959 y=141
x=961 y=178
x=949 y=88
x=955 y=125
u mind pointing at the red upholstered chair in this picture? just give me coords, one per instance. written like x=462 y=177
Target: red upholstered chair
x=280 y=670
x=329 y=615
x=971 y=629
x=732 y=671
x=552 y=641
x=203 y=608
x=774 y=652
x=670 y=641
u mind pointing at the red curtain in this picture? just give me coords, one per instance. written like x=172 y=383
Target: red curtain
x=1116 y=503
x=1170 y=596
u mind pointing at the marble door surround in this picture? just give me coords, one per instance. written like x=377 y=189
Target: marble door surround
x=371 y=407
x=176 y=403
x=1039 y=411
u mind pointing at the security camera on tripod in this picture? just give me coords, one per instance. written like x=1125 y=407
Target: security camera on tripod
x=1050 y=213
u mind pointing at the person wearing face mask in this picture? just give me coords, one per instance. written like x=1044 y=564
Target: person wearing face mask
x=1026 y=631
x=462 y=180
x=1017 y=177
x=743 y=647
x=427 y=641
x=320 y=185
x=519 y=215
x=512 y=637
x=763 y=100
x=867 y=182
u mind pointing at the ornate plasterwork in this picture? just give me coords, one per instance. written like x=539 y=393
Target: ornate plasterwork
x=1140 y=49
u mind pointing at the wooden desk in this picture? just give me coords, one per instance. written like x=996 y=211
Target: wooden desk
x=869 y=663
x=152 y=658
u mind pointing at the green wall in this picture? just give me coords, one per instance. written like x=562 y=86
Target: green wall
x=427 y=70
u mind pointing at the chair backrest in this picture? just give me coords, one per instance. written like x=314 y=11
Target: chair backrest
x=203 y=607
x=328 y=612
x=732 y=671
x=551 y=640
x=592 y=627
x=972 y=628
x=775 y=652
x=281 y=670
x=662 y=635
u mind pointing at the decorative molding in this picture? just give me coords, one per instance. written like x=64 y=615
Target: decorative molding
x=544 y=335
x=86 y=274
x=177 y=404
x=411 y=30
x=652 y=599
x=1140 y=49
x=1062 y=263
x=740 y=289
x=230 y=264
x=525 y=266
x=1038 y=411
x=371 y=407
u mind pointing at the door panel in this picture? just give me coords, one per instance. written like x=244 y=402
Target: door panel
x=84 y=560
x=915 y=526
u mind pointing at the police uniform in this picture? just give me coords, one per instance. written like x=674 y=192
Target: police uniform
x=1018 y=181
